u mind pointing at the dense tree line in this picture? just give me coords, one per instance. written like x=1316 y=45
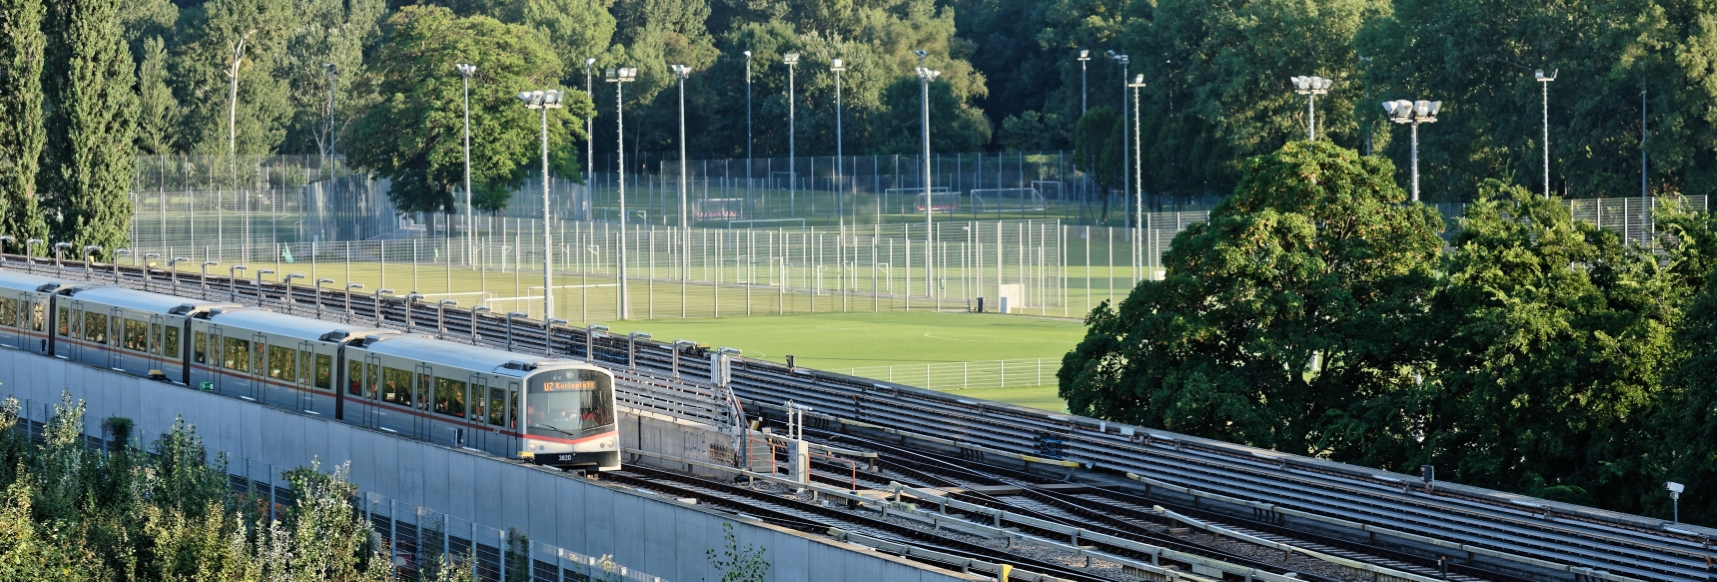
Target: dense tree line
x=1318 y=313
x=69 y=513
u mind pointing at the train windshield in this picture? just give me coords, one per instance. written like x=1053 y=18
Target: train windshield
x=569 y=403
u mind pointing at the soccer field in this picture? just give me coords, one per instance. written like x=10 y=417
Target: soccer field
x=838 y=342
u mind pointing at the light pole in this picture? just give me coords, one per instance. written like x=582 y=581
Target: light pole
x=1138 y=178
x=925 y=76
x=376 y=299
x=1312 y=87
x=748 y=141
x=333 y=76
x=89 y=260
x=319 y=284
x=60 y=258
x=792 y=145
x=1084 y=56
x=126 y=253
x=685 y=225
x=204 y=281
x=232 y=279
x=30 y=255
x=1415 y=113
x=1126 y=153
x=465 y=72
x=173 y=271
x=259 y=274
x=543 y=101
x=441 y=317
x=476 y=312
x=350 y=287
x=837 y=65
x=591 y=332
x=409 y=303
x=291 y=302
x=589 y=139
x=148 y=259
x=620 y=77
x=1544 y=81
x=1675 y=490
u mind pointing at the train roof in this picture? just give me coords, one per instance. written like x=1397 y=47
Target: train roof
x=143 y=300
x=292 y=326
x=469 y=357
x=28 y=282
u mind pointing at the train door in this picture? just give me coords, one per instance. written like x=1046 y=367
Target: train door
x=514 y=444
x=73 y=326
x=153 y=343
x=29 y=323
x=420 y=423
x=115 y=344
x=476 y=436
x=341 y=382
x=217 y=359
x=305 y=394
x=257 y=380
x=15 y=334
x=372 y=390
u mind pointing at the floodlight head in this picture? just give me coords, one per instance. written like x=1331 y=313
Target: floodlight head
x=748 y=55
x=353 y=286
x=1674 y=487
x=330 y=69
x=1436 y=106
x=291 y=276
x=480 y=309
x=556 y=321
x=597 y=328
x=790 y=58
x=1084 y=55
x=261 y=272
x=680 y=71
x=513 y=314
x=384 y=292
x=730 y=351
x=210 y=263
x=447 y=303
x=921 y=55
x=465 y=69
x=1122 y=59
x=1139 y=79
x=837 y=65
x=117 y=252
x=928 y=74
x=1299 y=83
x=1324 y=84
x=1110 y=53
x=638 y=335
x=324 y=281
x=590 y=62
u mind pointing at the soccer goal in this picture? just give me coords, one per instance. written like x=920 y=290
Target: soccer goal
x=1050 y=189
x=936 y=202
x=896 y=197
x=1008 y=199
x=719 y=209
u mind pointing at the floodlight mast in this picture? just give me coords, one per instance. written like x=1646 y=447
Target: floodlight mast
x=1084 y=56
x=1675 y=490
x=925 y=76
x=791 y=59
x=680 y=71
x=543 y=101
x=465 y=72
x=837 y=66
x=1138 y=175
x=1413 y=113
x=620 y=77
x=1311 y=87
x=1544 y=81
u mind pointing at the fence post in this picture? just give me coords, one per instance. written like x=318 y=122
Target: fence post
x=1004 y=374
x=1040 y=371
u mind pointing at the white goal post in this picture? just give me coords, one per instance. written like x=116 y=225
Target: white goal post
x=1003 y=199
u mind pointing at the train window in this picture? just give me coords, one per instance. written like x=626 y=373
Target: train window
x=155 y=338
x=477 y=400
x=136 y=335
x=396 y=386
x=324 y=372
x=8 y=312
x=41 y=317
x=282 y=363
x=355 y=378
x=423 y=391
x=306 y=365
x=170 y=346
x=450 y=397
x=200 y=347
x=95 y=327
x=497 y=406
x=65 y=319
x=237 y=355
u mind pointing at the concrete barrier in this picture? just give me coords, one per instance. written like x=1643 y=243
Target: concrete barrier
x=662 y=537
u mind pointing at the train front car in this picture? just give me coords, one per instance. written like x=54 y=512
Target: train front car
x=570 y=420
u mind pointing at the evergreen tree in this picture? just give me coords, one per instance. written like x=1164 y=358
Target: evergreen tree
x=21 y=144
x=157 y=110
x=89 y=162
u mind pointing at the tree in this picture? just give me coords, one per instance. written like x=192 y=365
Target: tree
x=203 y=59
x=1286 y=321
x=327 y=32
x=1553 y=339
x=89 y=163
x=414 y=134
x=21 y=106
x=738 y=564
x=1097 y=152
x=157 y=111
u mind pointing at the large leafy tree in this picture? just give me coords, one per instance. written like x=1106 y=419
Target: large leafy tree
x=203 y=58
x=414 y=134
x=21 y=106
x=1553 y=337
x=88 y=164
x=1286 y=321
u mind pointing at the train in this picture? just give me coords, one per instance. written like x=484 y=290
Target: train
x=551 y=411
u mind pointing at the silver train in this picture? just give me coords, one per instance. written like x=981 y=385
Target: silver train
x=412 y=385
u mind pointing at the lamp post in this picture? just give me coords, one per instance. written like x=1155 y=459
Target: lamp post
x=350 y=287
x=1126 y=155
x=1675 y=490
x=376 y=299
x=465 y=72
x=291 y=301
x=632 y=348
x=204 y=281
x=548 y=335
x=748 y=141
x=925 y=76
x=89 y=260
x=543 y=101
x=123 y=253
x=333 y=77
x=677 y=344
x=409 y=303
x=259 y=274
x=680 y=72
x=791 y=59
x=1414 y=113
x=173 y=271
x=1311 y=87
x=319 y=284
x=1138 y=178
x=30 y=255
x=441 y=317
x=591 y=332
x=232 y=279
x=148 y=261
x=60 y=258
x=620 y=77
x=1544 y=81
x=837 y=66
x=1084 y=56
x=476 y=339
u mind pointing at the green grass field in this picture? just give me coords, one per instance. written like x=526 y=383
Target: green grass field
x=840 y=341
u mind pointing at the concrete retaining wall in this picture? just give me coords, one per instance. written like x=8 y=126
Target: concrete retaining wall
x=663 y=538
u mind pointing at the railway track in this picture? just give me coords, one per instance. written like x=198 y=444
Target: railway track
x=1493 y=534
